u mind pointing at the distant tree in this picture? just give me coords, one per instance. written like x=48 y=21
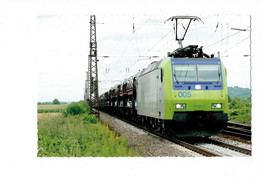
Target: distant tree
x=248 y=99
x=56 y=101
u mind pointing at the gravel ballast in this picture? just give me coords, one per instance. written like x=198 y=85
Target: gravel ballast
x=151 y=145
x=221 y=150
x=232 y=142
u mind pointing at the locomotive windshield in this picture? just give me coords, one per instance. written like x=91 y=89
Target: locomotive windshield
x=208 y=73
x=185 y=73
x=197 y=73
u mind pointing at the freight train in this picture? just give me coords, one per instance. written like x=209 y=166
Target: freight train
x=184 y=94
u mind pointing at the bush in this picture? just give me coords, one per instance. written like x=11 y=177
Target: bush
x=77 y=108
x=240 y=110
x=90 y=118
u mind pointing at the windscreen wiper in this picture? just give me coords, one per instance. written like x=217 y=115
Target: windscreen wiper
x=175 y=78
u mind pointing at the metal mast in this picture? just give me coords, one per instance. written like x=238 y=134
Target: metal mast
x=86 y=91
x=92 y=65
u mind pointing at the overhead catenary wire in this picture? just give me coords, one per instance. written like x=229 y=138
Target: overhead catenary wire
x=222 y=39
x=148 y=50
x=235 y=45
x=133 y=38
x=144 y=55
x=167 y=42
x=157 y=43
x=151 y=47
x=132 y=35
x=171 y=40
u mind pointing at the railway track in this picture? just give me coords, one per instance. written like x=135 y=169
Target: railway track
x=219 y=144
x=238 y=130
x=232 y=147
x=190 y=145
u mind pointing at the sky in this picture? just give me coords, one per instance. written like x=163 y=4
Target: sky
x=128 y=42
x=43 y=54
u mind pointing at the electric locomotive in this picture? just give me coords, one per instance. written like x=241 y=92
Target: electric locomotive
x=185 y=94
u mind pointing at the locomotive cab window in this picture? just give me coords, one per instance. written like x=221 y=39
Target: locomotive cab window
x=185 y=73
x=196 y=73
x=209 y=73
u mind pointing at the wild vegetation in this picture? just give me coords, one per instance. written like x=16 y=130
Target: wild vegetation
x=239 y=104
x=75 y=133
x=76 y=108
x=240 y=110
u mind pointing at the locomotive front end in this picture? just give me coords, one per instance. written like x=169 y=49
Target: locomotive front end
x=198 y=101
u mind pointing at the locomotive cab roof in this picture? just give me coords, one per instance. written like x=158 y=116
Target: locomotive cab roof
x=191 y=51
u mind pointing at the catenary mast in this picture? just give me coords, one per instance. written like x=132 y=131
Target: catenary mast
x=91 y=92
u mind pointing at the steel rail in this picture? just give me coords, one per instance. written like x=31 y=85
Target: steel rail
x=245 y=126
x=241 y=135
x=232 y=147
x=239 y=130
x=195 y=148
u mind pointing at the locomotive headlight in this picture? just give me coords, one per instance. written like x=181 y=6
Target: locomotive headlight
x=180 y=106
x=198 y=87
x=216 y=106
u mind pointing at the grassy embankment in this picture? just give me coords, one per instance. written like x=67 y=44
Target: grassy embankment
x=75 y=133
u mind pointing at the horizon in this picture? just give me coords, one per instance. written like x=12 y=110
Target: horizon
x=83 y=99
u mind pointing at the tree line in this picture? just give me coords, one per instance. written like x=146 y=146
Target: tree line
x=55 y=101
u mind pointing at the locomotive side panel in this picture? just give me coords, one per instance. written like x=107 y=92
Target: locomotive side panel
x=150 y=96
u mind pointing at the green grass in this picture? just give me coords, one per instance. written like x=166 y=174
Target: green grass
x=51 y=108
x=80 y=135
